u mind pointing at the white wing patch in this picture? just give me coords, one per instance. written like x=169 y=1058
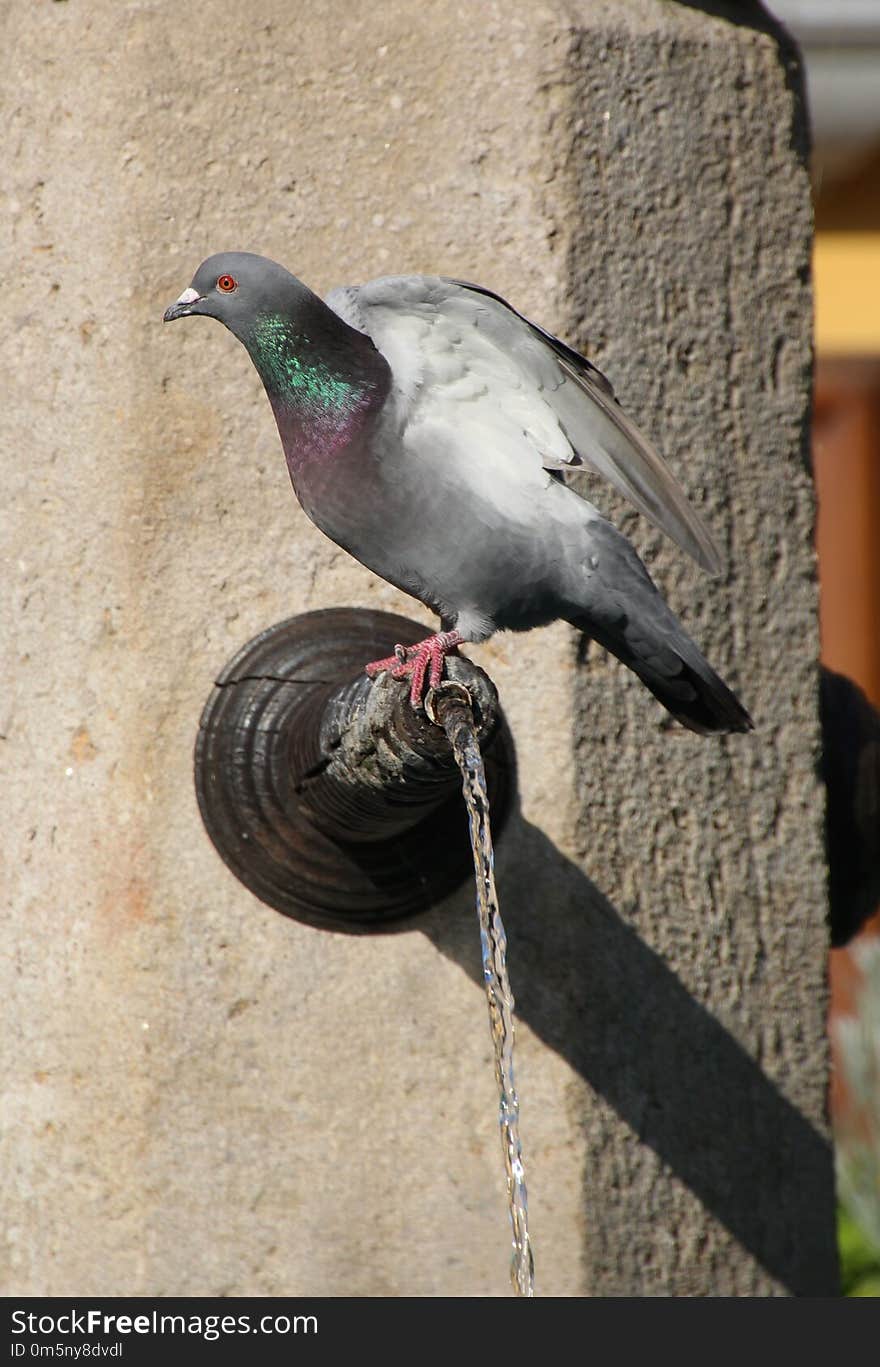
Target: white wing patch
x=498 y=395
x=454 y=365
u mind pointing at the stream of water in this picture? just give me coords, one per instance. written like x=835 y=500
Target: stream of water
x=459 y=727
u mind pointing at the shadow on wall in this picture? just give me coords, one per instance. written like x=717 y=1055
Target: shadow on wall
x=592 y=990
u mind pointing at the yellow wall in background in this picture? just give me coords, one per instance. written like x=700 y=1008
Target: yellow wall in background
x=847 y=289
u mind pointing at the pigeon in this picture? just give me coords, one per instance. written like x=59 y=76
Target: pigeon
x=427 y=427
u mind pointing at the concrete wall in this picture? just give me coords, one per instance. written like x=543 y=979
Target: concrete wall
x=203 y=1097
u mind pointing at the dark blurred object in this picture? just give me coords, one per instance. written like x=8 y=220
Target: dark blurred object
x=851 y=769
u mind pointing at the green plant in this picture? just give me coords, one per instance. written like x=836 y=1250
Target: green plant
x=858 y=1141
x=859 y=1258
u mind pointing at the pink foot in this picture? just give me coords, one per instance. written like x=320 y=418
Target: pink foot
x=425 y=657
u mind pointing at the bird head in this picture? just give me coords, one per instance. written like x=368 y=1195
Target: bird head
x=236 y=288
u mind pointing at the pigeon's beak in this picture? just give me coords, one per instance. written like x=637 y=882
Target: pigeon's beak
x=182 y=307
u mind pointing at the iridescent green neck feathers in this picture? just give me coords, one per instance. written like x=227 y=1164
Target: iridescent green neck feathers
x=322 y=381
x=292 y=369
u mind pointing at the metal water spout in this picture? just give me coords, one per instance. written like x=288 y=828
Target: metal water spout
x=324 y=792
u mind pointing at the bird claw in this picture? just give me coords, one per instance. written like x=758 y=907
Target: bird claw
x=425 y=658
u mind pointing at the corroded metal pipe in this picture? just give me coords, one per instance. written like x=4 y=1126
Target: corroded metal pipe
x=325 y=792
x=368 y=766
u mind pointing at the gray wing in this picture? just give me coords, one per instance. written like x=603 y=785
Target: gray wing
x=610 y=442
x=452 y=343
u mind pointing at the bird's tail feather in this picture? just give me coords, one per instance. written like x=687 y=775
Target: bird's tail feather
x=678 y=676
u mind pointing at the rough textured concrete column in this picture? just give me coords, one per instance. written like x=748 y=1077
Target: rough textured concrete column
x=202 y=1096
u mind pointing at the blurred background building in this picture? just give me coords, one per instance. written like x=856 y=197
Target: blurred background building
x=841 y=48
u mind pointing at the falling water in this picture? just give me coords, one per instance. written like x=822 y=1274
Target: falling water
x=457 y=720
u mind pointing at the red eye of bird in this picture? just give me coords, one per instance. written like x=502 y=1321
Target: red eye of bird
x=227 y=284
